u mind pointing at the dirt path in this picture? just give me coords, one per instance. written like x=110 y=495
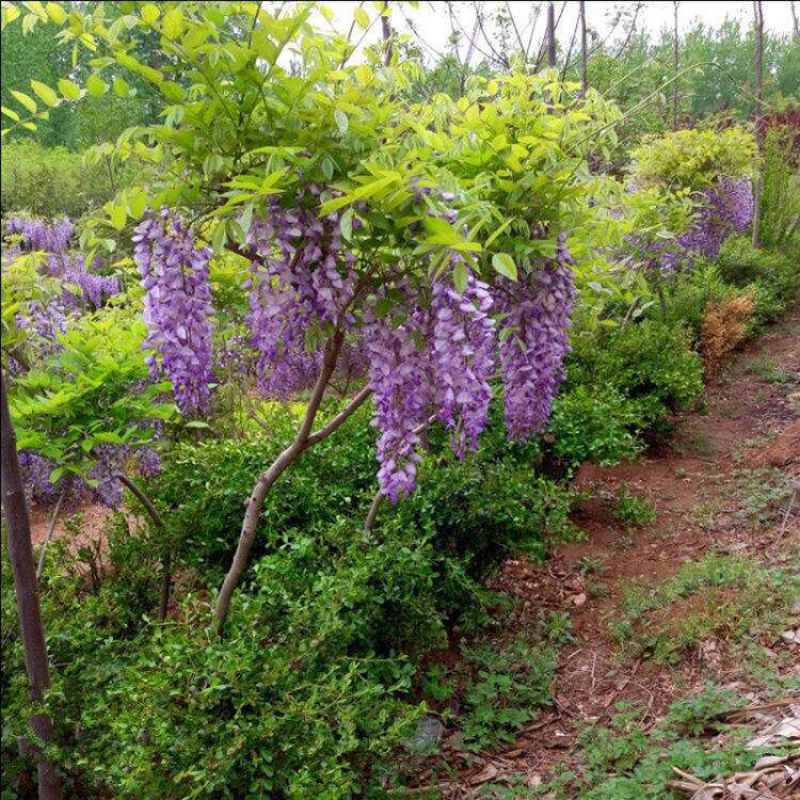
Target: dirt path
x=720 y=487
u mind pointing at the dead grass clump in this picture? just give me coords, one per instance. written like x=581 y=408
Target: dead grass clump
x=724 y=327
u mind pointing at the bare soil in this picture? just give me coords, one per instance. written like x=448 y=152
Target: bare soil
x=747 y=422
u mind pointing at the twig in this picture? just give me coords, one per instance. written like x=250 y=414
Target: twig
x=166 y=571
x=56 y=510
x=786 y=517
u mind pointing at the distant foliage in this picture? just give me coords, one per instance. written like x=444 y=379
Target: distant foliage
x=51 y=182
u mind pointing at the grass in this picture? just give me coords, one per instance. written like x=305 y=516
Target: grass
x=632 y=510
x=719 y=596
x=766 y=369
x=761 y=496
x=620 y=761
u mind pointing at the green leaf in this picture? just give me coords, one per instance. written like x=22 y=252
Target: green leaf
x=56 y=13
x=219 y=238
x=346 y=224
x=45 y=93
x=504 y=265
x=341 y=121
x=69 y=89
x=150 y=13
x=95 y=86
x=172 y=25
x=121 y=87
x=118 y=217
x=196 y=423
x=9 y=113
x=460 y=276
x=56 y=474
x=361 y=17
x=137 y=203
x=26 y=101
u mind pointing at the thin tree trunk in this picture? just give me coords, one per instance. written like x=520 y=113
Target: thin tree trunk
x=796 y=29
x=758 y=13
x=53 y=520
x=584 y=53
x=551 y=34
x=166 y=565
x=304 y=439
x=387 y=34
x=675 y=66
x=20 y=551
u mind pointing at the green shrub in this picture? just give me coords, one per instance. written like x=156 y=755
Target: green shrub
x=591 y=426
x=649 y=363
x=51 y=182
x=780 y=199
x=775 y=275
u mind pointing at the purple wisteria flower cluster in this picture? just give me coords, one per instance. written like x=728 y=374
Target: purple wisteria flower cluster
x=303 y=279
x=537 y=310
x=724 y=210
x=40 y=234
x=431 y=355
x=177 y=307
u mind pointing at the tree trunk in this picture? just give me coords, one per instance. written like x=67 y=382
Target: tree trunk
x=758 y=13
x=386 y=25
x=20 y=552
x=551 y=34
x=675 y=66
x=304 y=439
x=584 y=53
x=166 y=564
x=796 y=28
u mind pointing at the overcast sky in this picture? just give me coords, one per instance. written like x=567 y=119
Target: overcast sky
x=432 y=23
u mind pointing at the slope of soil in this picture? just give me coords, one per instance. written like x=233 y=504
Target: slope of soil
x=724 y=486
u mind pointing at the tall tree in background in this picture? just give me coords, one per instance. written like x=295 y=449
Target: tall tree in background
x=551 y=34
x=20 y=553
x=796 y=28
x=584 y=54
x=387 y=34
x=758 y=31
x=675 y=66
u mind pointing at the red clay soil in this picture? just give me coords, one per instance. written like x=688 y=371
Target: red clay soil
x=748 y=422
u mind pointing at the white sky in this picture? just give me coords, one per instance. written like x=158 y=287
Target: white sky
x=432 y=22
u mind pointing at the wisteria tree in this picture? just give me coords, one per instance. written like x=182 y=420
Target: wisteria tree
x=421 y=246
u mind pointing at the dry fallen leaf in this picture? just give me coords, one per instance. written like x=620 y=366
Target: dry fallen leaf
x=486 y=774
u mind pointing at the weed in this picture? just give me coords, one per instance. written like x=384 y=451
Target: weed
x=511 y=683
x=633 y=510
x=620 y=761
x=437 y=685
x=597 y=589
x=767 y=370
x=761 y=495
x=721 y=596
x=556 y=627
x=592 y=565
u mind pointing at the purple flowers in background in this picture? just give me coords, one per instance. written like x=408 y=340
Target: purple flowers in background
x=177 y=307
x=39 y=234
x=537 y=310
x=726 y=209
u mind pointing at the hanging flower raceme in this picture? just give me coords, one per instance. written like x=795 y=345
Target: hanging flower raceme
x=400 y=377
x=537 y=311
x=302 y=280
x=177 y=307
x=462 y=351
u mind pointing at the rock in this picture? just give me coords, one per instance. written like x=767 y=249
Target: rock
x=427 y=735
x=579 y=599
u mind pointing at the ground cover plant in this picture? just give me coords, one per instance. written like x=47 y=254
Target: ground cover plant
x=309 y=346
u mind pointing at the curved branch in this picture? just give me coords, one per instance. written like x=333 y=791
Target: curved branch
x=342 y=416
